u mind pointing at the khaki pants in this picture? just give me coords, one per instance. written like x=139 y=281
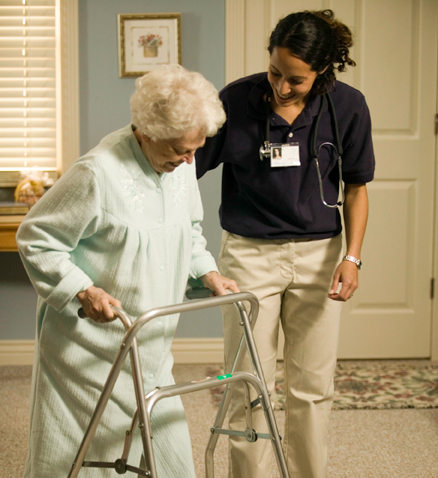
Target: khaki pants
x=291 y=279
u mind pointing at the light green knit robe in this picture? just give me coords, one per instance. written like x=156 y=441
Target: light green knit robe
x=114 y=222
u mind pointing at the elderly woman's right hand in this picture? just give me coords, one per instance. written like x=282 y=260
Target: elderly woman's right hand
x=96 y=304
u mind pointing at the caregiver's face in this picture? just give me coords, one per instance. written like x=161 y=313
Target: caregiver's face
x=291 y=79
x=166 y=155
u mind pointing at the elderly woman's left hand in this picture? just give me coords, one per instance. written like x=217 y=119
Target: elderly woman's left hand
x=219 y=284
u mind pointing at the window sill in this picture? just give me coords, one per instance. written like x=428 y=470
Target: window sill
x=9 y=179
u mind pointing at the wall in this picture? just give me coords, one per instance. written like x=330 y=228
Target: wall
x=104 y=107
x=104 y=97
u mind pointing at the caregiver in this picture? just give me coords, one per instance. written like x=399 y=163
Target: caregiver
x=282 y=226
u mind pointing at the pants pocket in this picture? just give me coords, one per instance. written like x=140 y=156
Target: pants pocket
x=224 y=241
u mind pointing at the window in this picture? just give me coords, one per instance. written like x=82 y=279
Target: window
x=38 y=92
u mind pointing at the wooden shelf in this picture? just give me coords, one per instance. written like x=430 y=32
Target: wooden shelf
x=8 y=229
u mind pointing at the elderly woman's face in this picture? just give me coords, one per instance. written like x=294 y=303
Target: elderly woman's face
x=166 y=155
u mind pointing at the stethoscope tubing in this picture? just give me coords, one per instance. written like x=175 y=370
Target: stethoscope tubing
x=265 y=150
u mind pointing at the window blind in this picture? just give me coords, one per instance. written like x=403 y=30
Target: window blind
x=28 y=84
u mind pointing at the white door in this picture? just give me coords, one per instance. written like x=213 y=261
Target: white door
x=396 y=55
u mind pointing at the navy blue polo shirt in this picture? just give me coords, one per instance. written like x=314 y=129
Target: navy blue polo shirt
x=266 y=202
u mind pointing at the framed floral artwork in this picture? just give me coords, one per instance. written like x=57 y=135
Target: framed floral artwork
x=147 y=41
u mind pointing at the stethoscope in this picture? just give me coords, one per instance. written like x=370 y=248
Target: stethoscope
x=265 y=150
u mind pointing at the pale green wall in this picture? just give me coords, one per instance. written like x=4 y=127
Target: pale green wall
x=104 y=97
x=104 y=107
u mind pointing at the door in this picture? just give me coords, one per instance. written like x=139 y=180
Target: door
x=396 y=54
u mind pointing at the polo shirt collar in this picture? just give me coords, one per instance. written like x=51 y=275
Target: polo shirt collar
x=310 y=111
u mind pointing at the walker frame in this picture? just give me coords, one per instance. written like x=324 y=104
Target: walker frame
x=145 y=403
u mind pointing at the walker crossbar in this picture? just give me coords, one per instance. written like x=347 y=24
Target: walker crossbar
x=145 y=404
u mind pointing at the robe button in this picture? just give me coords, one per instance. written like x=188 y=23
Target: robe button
x=159 y=324
x=161 y=268
x=158 y=190
x=160 y=220
x=151 y=376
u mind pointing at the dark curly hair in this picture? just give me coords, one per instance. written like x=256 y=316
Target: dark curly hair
x=319 y=40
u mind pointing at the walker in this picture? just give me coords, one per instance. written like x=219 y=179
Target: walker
x=145 y=403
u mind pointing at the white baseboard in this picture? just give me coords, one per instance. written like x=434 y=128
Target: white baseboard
x=193 y=351
x=16 y=352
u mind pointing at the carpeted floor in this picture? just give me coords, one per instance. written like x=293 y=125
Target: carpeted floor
x=400 y=443
x=368 y=385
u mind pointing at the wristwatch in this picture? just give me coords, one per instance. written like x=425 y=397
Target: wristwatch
x=358 y=262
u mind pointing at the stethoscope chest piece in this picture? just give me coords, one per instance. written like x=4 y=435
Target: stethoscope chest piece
x=265 y=150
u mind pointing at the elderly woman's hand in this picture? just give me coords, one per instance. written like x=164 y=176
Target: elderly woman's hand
x=219 y=284
x=96 y=304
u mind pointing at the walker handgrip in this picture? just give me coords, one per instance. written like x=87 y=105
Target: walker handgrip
x=198 y=293
x=118 y=313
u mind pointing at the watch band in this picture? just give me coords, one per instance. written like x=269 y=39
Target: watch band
x=358 y=262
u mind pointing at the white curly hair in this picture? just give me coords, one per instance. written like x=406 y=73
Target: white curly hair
x=171 y=101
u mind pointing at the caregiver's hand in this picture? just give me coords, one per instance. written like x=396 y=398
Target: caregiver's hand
x=96 y=304
x=219 y=284
x=347 y=274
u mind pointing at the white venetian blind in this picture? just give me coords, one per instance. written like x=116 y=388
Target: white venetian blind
x=27 y=84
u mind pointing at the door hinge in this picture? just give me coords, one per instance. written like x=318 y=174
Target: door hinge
x=432 y=288
x=436 y=124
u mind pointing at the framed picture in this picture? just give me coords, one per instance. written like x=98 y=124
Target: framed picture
x=147 y=41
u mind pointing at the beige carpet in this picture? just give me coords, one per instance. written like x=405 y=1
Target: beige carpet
x=362 y=443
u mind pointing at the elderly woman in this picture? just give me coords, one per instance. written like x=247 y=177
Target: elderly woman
x=122 y=228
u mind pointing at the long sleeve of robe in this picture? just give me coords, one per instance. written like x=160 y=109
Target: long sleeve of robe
x=111 y=221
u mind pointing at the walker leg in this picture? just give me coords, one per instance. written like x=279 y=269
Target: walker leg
x=129 y=437
x=212 y=441
x=222 y=412
x=143 y=415
x=247 y=343
x=97 y=414
x=100 y=408
x=276 y=442
x=265 y=398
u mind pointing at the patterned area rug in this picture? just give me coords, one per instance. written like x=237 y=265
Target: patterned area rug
x=371 y=386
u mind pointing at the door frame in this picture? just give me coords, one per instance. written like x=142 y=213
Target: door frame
x=235 y=61
x=434 y=325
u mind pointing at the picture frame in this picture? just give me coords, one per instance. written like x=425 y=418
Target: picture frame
x=147 y=41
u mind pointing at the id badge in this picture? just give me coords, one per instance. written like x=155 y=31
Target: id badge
x=283 y=155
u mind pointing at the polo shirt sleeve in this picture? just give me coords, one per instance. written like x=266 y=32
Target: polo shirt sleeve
x=210 y=155
x=358 y=158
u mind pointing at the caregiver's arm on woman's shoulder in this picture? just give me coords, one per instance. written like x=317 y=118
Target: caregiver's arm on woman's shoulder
x=355 y=218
